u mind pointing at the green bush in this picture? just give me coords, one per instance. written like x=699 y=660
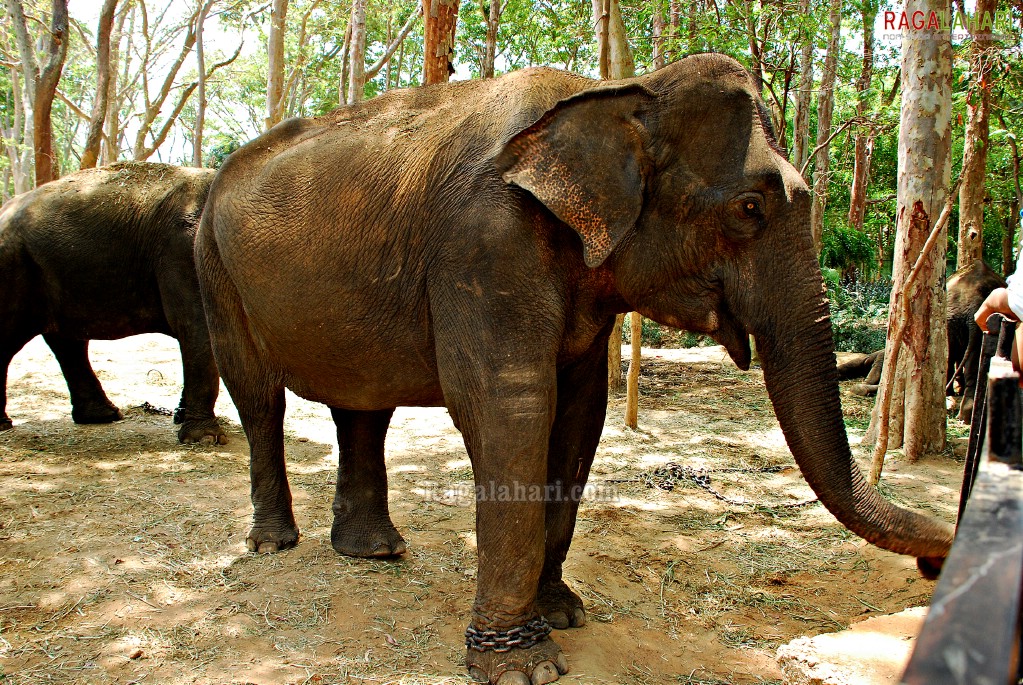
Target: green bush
x=859 y=313
x=650 y=335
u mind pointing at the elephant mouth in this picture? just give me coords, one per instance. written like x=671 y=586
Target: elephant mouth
x=733 y=336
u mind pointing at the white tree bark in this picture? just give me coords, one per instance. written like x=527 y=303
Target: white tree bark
x=925 y=137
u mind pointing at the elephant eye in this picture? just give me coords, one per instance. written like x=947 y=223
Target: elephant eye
x=751 y=208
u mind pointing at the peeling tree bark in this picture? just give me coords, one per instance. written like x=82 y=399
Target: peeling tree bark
x=975 y=145
x=439 y=23
x=918 y=400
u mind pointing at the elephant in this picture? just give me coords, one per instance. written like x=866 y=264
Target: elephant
x=967 y=289
x=468 y=245
x=104 y=254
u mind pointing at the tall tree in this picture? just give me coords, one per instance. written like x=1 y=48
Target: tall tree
x=493 y=18
x=357 y=52
x=200 y=107
x=975 y=141
x=864 y=145
x=105 y=76
x=439 y=18
x=912 y=395
x=275 y=63
x=801 y=124
x=825 y=111
x=657 y=29
x=41 y=76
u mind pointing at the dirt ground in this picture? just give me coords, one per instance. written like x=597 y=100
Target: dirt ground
x=122 y=555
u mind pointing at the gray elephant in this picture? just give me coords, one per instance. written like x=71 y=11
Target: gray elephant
x=103 y=254
x=967 y=289
x=468 y=245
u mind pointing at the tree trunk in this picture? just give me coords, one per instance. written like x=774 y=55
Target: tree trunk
x=801 y=125
x=439 y=22
x=493 y=24
x=200 y=107
x=41 y=78
x=346 y=62
x=601 y=22
x=864 y=138
x=1017 y=203
x=104 y=69
x=917 y=417
x=621 y=64
x=975 y=144
x=275 y=64
x=357 y=79
x=657 y=20
x=825 y=110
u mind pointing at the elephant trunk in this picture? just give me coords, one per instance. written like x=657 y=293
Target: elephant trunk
x=801 y=375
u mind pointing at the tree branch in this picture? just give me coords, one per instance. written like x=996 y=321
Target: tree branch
x=402 y=35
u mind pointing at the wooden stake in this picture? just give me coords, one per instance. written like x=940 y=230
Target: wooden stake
x=632 y=383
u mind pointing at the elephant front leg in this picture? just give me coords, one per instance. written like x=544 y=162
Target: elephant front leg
x=582 y=406
x=362 y=525
x=505 y=420
x=89 y=404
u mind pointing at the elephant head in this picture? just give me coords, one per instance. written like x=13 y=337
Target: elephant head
x=683 y=199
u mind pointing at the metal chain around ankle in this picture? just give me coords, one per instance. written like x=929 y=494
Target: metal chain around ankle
x=522 y=637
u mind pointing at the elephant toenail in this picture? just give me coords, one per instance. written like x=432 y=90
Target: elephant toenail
x=545 y=672
x=578 y=618
x=513 y=678
x=557 y=619
x=268 y=548
x=561 y=661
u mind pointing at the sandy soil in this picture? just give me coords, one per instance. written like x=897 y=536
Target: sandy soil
x=122 y=556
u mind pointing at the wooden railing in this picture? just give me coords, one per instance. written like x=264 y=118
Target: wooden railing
x=972 y=632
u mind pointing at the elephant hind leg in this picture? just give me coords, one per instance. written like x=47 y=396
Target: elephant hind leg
x=258 y=393
x=362 y=524
x=89 y=404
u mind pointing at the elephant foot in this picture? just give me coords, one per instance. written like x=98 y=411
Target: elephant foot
x=99 y=411
x=562 y=607
x=206 y=431
x=966 y=410
x=863 y=389
x=267 y=539
x=5 y=424
x=540 y=664
x=378 y=540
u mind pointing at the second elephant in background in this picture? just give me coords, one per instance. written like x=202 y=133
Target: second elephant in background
x=967 y=289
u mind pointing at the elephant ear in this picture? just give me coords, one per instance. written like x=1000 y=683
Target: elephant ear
x=585 y=160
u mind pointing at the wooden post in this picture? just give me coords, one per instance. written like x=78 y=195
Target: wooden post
x=632 y=383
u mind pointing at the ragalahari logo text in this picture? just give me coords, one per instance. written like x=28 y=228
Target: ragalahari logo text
x=960 y=25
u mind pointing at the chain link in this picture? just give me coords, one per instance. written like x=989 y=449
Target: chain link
x=521 y=637
x=667 y=476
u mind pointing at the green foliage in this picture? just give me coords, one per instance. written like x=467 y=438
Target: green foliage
x=650 y=335
x=859 y=313
x=843 y=248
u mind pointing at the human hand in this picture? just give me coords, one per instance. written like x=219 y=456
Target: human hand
x=995 y=303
